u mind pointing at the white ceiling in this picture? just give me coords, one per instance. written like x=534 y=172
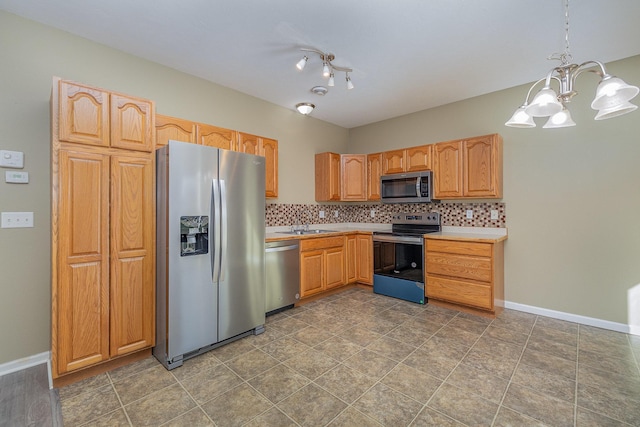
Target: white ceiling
x=407 y=55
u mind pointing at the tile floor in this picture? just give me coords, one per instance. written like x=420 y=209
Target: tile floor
x=360 y=359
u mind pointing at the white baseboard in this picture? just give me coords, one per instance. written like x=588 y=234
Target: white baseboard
x=576 y=318
x=28 y=362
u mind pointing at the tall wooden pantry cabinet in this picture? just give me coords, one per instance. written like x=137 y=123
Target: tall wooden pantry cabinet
x=103 y=229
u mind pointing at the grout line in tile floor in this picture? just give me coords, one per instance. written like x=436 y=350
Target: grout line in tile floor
x=447 y=322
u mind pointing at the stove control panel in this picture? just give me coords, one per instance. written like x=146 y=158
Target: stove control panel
x=428 y=218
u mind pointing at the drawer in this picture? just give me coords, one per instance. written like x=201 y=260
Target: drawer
x=459 y=247
x=463 y=266
x=321 y=243
x=459 y=291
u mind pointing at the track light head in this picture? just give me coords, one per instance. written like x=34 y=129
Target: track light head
x=300 y=65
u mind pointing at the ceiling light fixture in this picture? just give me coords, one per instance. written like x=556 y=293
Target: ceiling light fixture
x=328 y=67
x=305 y=108
x=611 y=100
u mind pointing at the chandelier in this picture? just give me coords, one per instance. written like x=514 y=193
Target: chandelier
x=328 y=67
x=611 y=100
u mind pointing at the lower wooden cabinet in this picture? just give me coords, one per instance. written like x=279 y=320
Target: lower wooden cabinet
x=465 y=272
x=364 y=259
x=322 y=264
x=359 y=258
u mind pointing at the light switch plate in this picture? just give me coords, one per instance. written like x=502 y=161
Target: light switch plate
x=469 y=213
x=494 y=214
x=11 y=159
x=17 y=219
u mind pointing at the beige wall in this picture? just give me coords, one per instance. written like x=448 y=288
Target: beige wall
x=572 y=195
x=31 y=54
x=558 y=183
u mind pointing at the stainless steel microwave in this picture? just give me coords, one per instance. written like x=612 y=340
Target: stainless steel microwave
x=410 y=187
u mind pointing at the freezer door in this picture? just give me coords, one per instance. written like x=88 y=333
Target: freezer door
x=192 y=293
x=242 y=274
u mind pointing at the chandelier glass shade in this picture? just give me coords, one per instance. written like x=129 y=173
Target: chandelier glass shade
x=611 y=99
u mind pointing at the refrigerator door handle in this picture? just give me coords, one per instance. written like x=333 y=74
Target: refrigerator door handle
x=223 y=228
x=214 y=229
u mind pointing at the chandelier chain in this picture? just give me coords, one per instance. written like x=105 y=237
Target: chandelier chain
x=565 y=57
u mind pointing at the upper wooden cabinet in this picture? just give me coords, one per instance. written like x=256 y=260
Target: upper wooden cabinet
x=447 y=170
x=327 y=177
x=482 y=166
x=93 y=116
x=171 y=128
x=393 y=162
x=353 y=174
x=268 y=148
x=411 y=159
x=470 y=168
x=213 y=136
x=83 y=114
x=418 y=158
x=374 y=171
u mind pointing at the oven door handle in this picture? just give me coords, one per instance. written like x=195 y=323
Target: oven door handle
x=399 y=239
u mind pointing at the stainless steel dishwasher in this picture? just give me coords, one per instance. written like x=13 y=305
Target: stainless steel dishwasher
x=282 y=265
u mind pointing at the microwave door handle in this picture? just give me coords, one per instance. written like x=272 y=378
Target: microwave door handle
x=418 y=182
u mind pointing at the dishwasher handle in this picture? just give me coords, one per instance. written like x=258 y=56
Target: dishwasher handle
x=282 y=248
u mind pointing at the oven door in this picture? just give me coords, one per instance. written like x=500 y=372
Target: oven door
x=398 y=267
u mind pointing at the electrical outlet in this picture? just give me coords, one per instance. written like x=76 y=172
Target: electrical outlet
x=373 y=213
x=469 y=213
x=336 y=214
x=321 y=214
x=17 y=219
x=494 y=214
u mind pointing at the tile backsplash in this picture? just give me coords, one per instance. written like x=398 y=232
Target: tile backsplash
x=452 y=213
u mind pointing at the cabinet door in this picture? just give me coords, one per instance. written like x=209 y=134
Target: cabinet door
x=447 y=169
x=418 y=158
x=170 y=128
x=311 y=272
x=334 y=267
x=374 y=171
x=364 y=251
x=353 y=171
x=213 y=136
x=81 y=301
x=132 y=254
x=269 y=149
x=351 y=258
x=393 y=162
x=483 y=166
x=132 y=123
x=327 y=176
x=248 y=143
x=83 y=114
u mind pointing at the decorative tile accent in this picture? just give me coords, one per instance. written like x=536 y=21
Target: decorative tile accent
x=452 y=213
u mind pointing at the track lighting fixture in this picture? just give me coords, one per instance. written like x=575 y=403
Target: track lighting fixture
x=328 y=67
x=611 y=100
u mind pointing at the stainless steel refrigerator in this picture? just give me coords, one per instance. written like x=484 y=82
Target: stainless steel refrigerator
x=210 y=249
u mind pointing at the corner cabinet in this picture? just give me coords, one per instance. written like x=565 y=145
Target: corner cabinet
x=268 y=148
x=466 y=273
x=374 y=171
x=468 y=168
x=103 y=226
x=327 y=177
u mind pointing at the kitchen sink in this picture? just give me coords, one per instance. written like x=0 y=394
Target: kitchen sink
x=305 y=232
